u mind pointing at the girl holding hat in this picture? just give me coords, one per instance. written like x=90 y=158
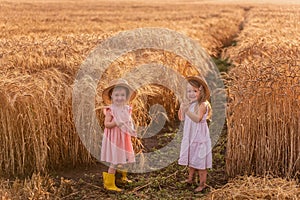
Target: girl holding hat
x=195 y=149
x=117 y=147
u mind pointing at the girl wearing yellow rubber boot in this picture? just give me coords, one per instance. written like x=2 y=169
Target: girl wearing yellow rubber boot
x=117 y=147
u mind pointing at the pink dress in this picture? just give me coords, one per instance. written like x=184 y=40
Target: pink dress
x=116 y=143
x=195 y=148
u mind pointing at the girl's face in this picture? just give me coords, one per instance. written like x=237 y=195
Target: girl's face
x=119 y=96
x=193 y=93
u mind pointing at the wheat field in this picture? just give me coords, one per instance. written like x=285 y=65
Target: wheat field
x=265 y=84
x=44 y=43
x=40 y=60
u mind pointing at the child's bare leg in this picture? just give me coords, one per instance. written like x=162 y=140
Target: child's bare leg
x=112 y=169
x=191 y=175
x=203 y=176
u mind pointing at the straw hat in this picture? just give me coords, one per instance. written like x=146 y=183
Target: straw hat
x=117 y=82
x=202 y=82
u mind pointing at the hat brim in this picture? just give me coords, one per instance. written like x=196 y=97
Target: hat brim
x=106 y=92
x=201 y=82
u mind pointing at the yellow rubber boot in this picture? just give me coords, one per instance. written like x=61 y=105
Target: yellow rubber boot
x=109 y=182
x=123 y=179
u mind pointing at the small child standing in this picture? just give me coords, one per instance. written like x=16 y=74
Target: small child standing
x=117 y=147
x=195 y=149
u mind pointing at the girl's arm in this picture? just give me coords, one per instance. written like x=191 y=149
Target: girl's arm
x=108 y=122
x=180 y=115
x=198 y=115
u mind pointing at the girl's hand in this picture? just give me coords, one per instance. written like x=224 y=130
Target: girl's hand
x=108 y=122
x=184 y=107
x=108 y=114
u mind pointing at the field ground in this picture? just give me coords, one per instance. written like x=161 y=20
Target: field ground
x=43 y=43
x=86 y=182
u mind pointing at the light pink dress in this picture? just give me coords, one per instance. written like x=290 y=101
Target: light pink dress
x=116 y=143
x=196 y=143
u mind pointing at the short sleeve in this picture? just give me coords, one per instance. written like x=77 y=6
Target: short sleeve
x=130 y=110
x=106 y=110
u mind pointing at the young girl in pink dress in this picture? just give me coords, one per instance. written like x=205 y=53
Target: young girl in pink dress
x=195 y=149
x=117 y=147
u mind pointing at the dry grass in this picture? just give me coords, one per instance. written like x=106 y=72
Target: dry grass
x=250 y=187
x=36 y=187
x=241 y=187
